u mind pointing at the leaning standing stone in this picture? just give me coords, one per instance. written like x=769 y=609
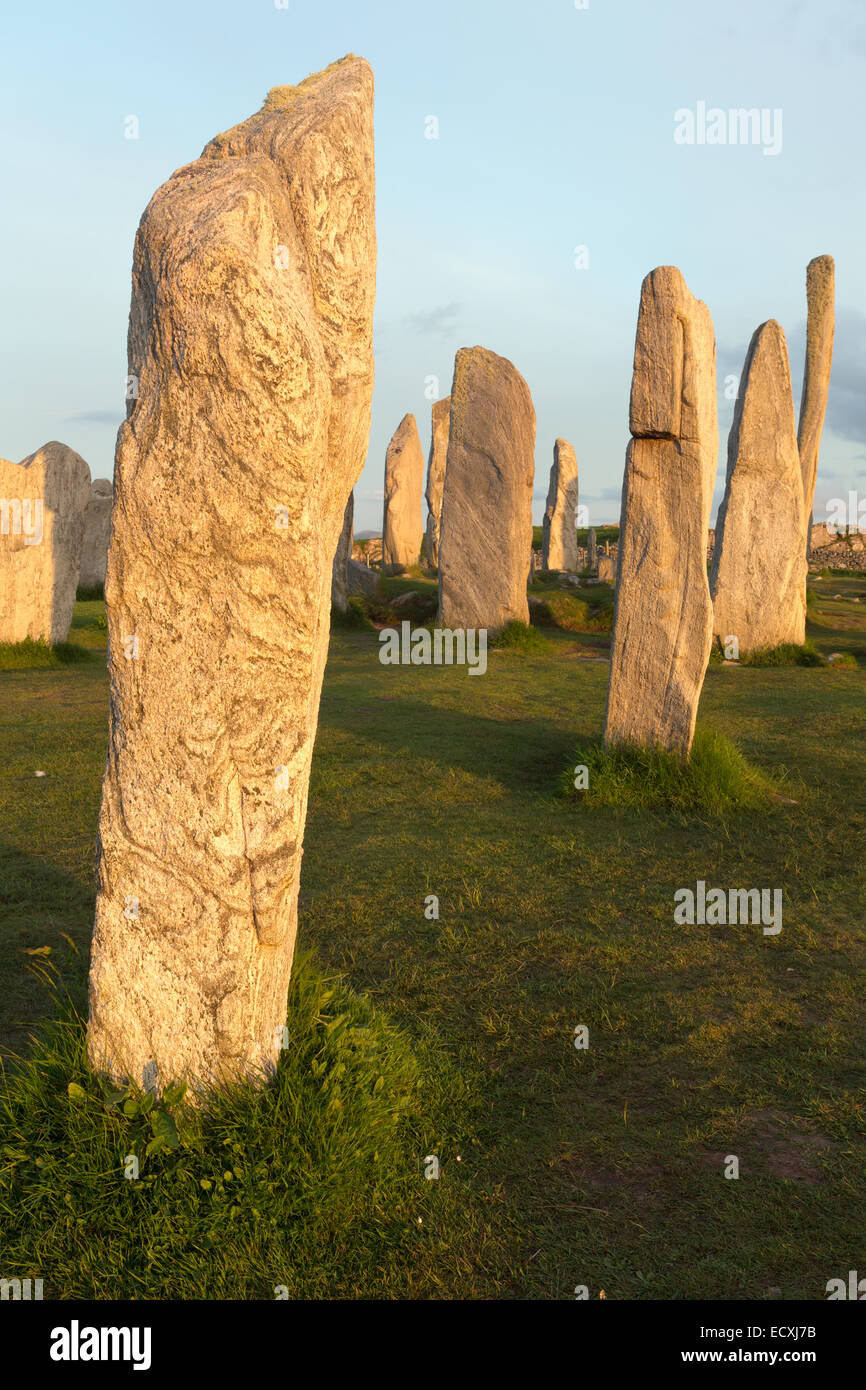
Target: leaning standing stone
x=42 y=509
x=758 y=573
x=97 y=529
x=339 y=581
x=663 y=623
x=404 y=480
x=251 y=338
x=559 y=537
x=591 y=549
x=436 y=476
x=486 y=531
x=820 y=325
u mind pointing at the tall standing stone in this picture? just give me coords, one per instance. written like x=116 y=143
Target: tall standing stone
x=342 y=555
x=758 y=572
x=662 y=630
x=820 y=327
x=402 y=526
x=436 y=476
x=42 y=508
x=97 y=529
x=251 y=339
x=559 y=537
x=591 y=549
x=486 y=530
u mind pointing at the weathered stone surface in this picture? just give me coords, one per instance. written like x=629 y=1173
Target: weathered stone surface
x=368 y=552
x=486 y=525
x=559 y=537
x=820 y=536
x=663 y=622
x=607 y=569
x=339 y=581
x=402 y=527
x=436 y=476
x=758 y=574
x=251 y=338
x=97 y=528
x=820 y=328
x=591 y=549
x=42 y=510
x=362 y=580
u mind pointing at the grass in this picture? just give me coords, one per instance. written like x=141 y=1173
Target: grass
x=519 y=637
x=313 y=1184
x=573 y=614
x=601 y=1166
x=355 y=616
x=716 y=779
x=786 y=654
x=20 y=656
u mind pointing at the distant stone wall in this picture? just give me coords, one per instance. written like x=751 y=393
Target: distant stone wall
x=838 y=557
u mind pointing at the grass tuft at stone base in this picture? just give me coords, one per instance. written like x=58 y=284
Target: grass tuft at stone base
x=716 y=780
x=303 y=1184
x=21 y=656
x=519 y=637
x=787 y=654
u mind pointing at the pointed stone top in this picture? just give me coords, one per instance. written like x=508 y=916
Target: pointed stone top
x=291 y=108
x=406 y=426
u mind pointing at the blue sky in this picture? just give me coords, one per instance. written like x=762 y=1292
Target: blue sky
x=556 y=130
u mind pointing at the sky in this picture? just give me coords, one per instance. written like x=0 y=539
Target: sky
x=556 y=128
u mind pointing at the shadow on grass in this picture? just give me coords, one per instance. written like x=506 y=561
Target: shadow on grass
x=522 y=754
x=40 y=906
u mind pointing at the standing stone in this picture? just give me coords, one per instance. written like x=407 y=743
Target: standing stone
x=360 y=579
x=662 y=630
x=487 y=506
x=820 y=326
x=591 y=549
x=402 y=527
x=251 y=339
x=342 y=555
x=436 y=476
x=97 y=529
x=607 y=568
x=486 y=531
x=559 y=537
x=42 y=508
x=758 y=574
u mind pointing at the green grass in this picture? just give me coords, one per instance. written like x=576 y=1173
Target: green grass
x=573 y=614
x=20 y=656
x=786 y=654
x=716 y=779
x=315 y=1183
x=519 y=637
x=355 y=616
x=602 y=1166
x=602 y=534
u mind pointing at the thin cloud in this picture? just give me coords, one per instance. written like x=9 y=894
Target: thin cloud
x=440 y=320
x=96 y=417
